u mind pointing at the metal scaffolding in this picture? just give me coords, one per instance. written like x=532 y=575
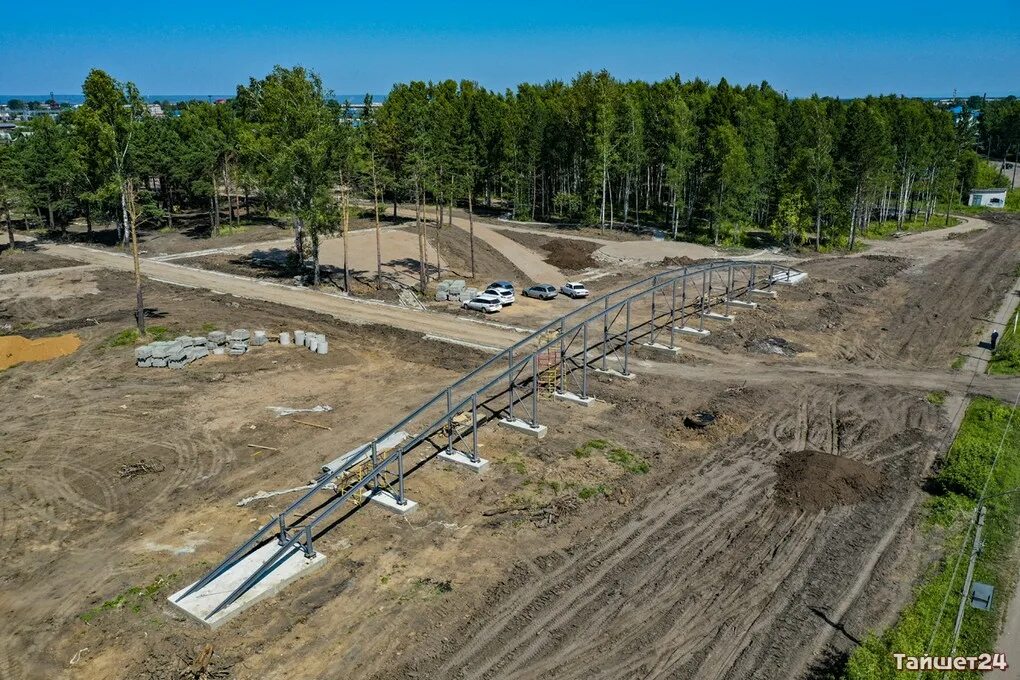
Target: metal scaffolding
x=596 y=336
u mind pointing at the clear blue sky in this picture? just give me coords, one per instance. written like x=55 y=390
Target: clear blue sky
x=849 y=48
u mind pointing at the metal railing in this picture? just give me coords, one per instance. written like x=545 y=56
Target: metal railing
x=676 y=297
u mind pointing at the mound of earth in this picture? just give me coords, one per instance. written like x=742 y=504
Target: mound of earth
x=570 y=254
x=812 y=480
x=682 y=261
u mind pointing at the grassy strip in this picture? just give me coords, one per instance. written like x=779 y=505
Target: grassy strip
x=1006 y=357
x=877 y=230
x=955 y=489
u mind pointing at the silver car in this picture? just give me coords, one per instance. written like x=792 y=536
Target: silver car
x=574 y=290
x=489 y=304
x=542 y=291
x=505 y=295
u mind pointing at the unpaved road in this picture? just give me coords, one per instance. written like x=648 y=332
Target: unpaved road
x=342 y=307
x=527 y=260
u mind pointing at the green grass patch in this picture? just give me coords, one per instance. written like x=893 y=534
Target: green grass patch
x=133 y=599
x=586 y=493
x=125 y=338
x=1006 y=357
x=130 y=337
x=515 y=462
x=631 y=462
x=937 y=398
x=588 y=448
x=231 y=229
x=958 y=362
x=956 y=488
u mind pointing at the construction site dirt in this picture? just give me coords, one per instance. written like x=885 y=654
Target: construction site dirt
x=626 y=543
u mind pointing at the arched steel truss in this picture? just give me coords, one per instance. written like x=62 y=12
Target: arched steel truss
x=596 y=336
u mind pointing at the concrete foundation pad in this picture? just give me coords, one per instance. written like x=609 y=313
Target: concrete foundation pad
x=765 y=293
x=574 y=398
x=659 y=347
x=691 y=330
x=291 y=567
x=461 y=458
x=743 y=304
x=616 y=374
x=719 y=317
x=524 y=427
x=389 y=501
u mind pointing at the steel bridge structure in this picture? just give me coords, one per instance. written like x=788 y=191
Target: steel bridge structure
x=599 y=336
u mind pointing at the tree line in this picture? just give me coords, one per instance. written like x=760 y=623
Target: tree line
x=712 y=163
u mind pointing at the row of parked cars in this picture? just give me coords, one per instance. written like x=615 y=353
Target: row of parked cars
x=500 y=294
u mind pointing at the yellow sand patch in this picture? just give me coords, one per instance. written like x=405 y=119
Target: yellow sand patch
x=15 y=349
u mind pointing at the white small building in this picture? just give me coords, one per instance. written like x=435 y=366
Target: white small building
x=991 y=198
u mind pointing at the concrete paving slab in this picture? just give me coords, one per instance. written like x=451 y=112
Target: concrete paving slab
x=293 y=565
x=388 y=501
x=356 y=455
x=659 y=347
x=524 y=427
x=615 y=373
x=464 y=459
x=791 y=279
x=691 y=330
x=574 y=398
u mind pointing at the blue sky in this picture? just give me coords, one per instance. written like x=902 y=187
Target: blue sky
x=848 y=49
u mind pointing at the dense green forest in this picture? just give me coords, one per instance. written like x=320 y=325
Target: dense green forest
x=704 y=162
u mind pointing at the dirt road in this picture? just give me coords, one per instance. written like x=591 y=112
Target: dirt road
x=527 y=260
x=342 y=307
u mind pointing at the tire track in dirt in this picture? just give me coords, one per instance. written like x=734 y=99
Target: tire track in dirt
x=711 y=578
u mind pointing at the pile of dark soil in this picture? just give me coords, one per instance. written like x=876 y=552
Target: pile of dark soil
x=676 y=261
x=812 y=480
x=570 y=254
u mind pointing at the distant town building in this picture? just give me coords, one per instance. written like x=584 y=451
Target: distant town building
x=991 y=198
x=155 y=110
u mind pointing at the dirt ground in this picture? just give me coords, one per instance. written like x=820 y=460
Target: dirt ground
x=568 y=255
x=24 y=257
x=627 y=543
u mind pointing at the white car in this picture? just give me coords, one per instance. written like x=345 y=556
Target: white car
x=489 y=304
x=574 y=290
x=505 y=295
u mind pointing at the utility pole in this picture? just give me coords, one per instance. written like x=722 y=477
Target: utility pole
x=975 y=551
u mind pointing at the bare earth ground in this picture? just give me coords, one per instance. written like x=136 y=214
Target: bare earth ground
x=26 y=257
x=550 y=563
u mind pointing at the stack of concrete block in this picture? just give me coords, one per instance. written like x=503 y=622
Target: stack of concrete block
x=468 y=294
x=181 y=351
x=171 y=353
x=443 y=291
x=455 y=291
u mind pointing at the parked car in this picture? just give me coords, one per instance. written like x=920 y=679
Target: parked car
x=506 y=297
x=574 y=290
x=502 y=284
x=489 y=304
x=542 y=291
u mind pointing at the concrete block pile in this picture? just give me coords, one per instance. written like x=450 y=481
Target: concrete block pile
x=181 y=351
x=454 y=291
